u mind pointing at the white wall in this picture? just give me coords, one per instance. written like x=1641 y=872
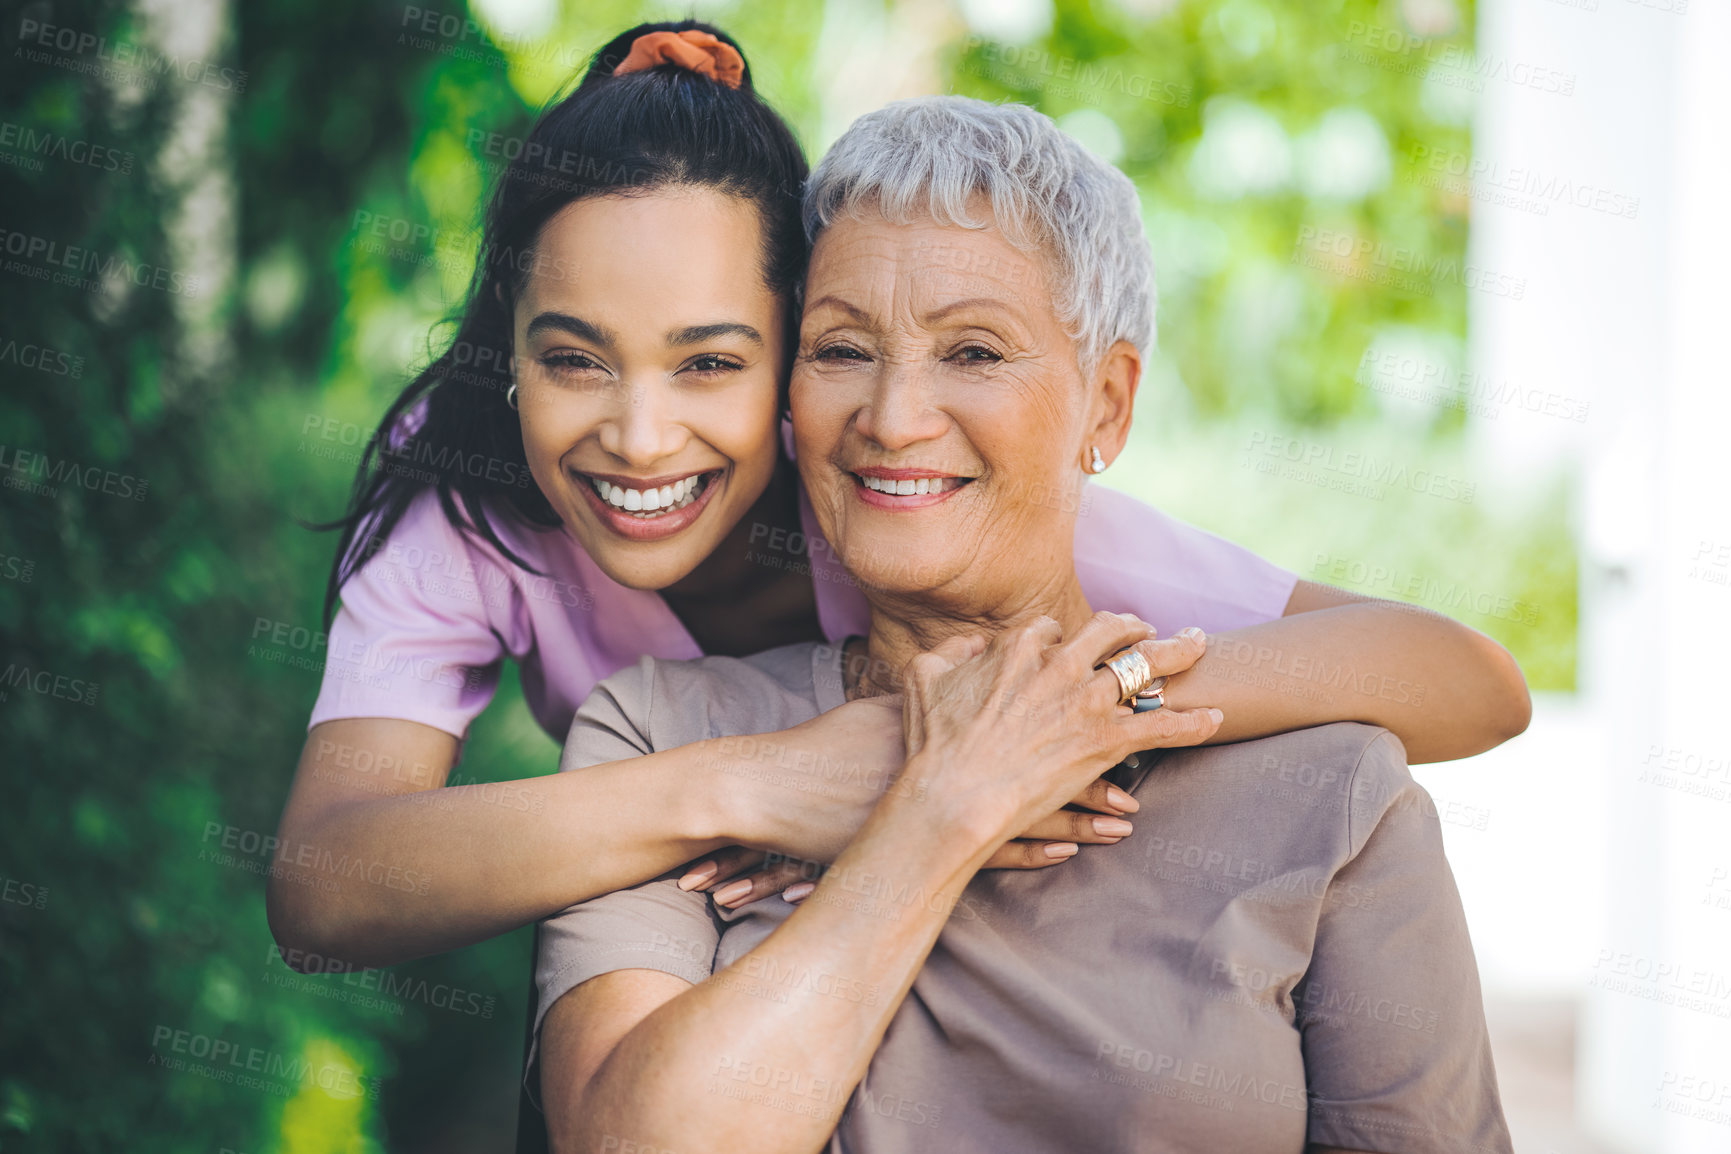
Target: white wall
x=1607 y=876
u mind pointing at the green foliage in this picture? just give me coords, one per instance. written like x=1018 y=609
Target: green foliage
x=167 y=728
x=139 y=784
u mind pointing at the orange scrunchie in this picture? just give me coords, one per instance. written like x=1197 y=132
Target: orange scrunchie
x=692 y=50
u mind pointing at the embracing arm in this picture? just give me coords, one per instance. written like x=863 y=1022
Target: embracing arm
x=1445 y=690
x=378 y=861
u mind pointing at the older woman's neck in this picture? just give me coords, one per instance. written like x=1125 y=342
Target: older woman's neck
x=904 y=627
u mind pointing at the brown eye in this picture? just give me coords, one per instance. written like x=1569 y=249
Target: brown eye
x=976 y=355
x=712 y=363
x=571 y=362
x=838 y=353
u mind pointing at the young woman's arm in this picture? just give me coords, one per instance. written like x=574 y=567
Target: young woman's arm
x=1445 y=690
x=1331 y=656
x=379 y=862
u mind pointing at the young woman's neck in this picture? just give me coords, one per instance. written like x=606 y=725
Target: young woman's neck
x=753 y=592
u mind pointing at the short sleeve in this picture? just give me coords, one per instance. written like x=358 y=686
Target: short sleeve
x=422 y=630
x=1133 y=558
x=653 y=926
x=1396 y=1052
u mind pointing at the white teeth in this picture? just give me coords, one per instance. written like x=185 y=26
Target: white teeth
x=911 y=487
x=650 y=501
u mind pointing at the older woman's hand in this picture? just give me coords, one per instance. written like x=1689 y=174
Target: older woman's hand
x=1097 y=815
x=1003 y=734
x=871 y=729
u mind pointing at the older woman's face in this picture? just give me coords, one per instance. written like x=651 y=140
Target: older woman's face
x=939 y=411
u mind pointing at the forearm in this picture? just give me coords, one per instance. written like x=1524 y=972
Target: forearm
x=717 y=1066
x=380 y=880
x=1445 y=690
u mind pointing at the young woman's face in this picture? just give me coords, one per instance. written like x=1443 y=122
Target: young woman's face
x=648 y=357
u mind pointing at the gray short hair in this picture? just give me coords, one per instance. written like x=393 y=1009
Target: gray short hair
x=924 y=158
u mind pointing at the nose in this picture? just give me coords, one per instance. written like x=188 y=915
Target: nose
x=643 y=426
x=899 y=412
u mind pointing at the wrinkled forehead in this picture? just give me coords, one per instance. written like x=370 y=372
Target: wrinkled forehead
x=874 y=262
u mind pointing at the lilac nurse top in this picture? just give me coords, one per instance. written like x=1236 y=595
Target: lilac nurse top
x=426 y=622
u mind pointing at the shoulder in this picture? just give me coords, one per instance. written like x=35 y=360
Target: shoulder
x=1341 y=747
x=1369 y=750
x=425 y=546
x=1112 y=520
x=1133 y=557
x=1366 y=762
x=784 y=670
x=425 y=524
x=445 y=567
x=678 y=702
x=1331 y=781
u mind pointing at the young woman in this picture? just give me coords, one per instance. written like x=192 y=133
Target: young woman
x=594 y=471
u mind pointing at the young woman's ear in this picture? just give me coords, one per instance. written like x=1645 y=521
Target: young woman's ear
x=1114 y=398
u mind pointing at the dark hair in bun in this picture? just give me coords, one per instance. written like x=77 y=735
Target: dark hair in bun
x=613 y=136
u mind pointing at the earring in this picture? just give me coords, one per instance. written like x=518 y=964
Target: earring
x=1098 y=464
x=511 y=395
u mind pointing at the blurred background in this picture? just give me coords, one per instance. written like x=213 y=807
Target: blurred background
x=1442 y=303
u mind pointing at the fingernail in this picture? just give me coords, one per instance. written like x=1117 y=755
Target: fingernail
x=732 y=891
x=1217 y=716
x=798 y=891
x=1195 y=634
x=1118 y=797
x=697 y=875
x=1061 y=849
x=1112 y=827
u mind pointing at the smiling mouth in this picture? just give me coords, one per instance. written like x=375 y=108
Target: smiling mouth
x=934 y=484
x=648 y=503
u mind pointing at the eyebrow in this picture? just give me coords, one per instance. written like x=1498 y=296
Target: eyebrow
x=576 y=326
x=702 y=334
x=836 y=302
x=936 y=314
x=690 y=335
x=972 y=302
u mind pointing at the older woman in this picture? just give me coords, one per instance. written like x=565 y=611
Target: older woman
x=1278 y=956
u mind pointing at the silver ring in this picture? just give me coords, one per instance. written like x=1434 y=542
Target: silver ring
x=1133 y=673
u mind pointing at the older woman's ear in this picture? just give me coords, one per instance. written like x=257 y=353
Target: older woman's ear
x=1113 y=392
